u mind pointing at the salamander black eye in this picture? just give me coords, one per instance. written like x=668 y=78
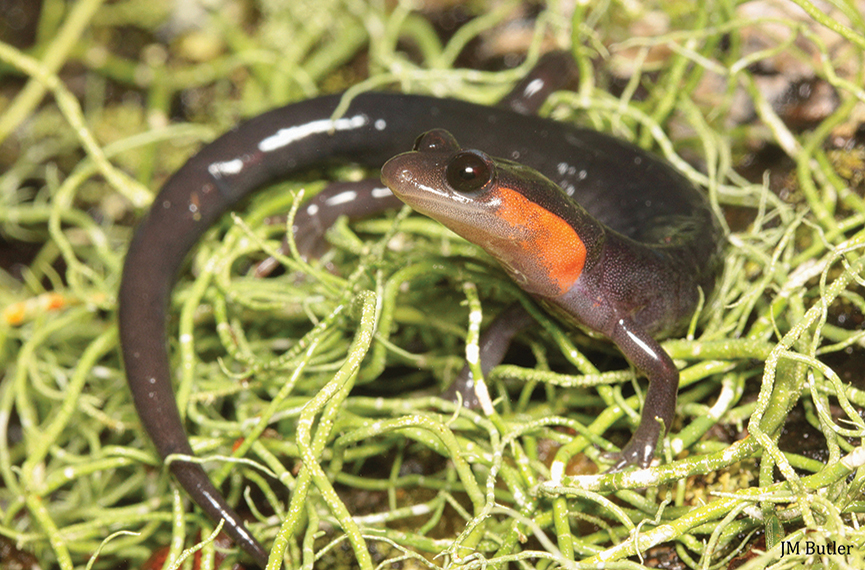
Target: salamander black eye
x=436 y=139
x=468 y=172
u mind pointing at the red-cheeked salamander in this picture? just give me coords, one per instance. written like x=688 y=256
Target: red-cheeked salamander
x=603 y=232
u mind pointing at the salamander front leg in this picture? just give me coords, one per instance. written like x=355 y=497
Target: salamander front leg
x=660 y=405
x=493 y=344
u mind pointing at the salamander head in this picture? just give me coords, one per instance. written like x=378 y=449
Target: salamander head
x=511 y=211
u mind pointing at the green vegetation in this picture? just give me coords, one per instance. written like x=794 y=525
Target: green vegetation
x=316 y=389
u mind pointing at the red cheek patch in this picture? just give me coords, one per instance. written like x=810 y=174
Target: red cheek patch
x=558 y=251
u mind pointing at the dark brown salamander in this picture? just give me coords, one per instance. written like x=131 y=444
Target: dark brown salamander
x=605 y=232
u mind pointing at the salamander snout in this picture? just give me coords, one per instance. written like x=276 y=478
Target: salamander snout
x=438 y=168
x=419 y=173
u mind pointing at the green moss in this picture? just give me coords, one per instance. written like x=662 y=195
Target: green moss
x=781 y=331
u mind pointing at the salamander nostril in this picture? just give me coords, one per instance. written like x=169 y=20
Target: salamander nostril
x=391 y=173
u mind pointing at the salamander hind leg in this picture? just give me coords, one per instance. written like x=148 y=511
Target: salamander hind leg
x=554 y=70
x=355 y=200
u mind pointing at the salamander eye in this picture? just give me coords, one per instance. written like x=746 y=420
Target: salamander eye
x=436 y=139
x=469 y=171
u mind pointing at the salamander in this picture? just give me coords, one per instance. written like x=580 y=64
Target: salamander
x=628 y=287
x=603 y=232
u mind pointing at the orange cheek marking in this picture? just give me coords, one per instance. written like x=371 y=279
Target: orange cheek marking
x=558 y=250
